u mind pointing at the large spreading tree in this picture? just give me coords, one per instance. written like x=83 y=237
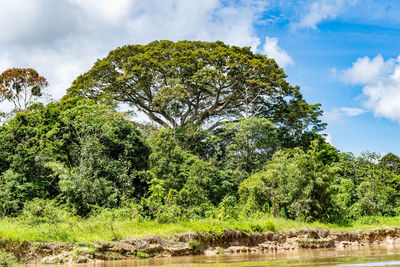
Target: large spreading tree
x=206 y=83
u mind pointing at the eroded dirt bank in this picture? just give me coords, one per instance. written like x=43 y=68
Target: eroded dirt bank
x=228 y=241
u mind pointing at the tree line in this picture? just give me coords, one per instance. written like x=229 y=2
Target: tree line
x=227 y=136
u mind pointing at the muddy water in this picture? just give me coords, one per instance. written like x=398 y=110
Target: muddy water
x=317 y=257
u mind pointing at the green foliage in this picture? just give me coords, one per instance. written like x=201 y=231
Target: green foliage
x=142 y=255
x=253 y=142
x=168 y=159
x=269 y=226
x=21 y=87
x=391 y=162
x=49 y=215
x=221 y=251
x=86 y=152
x=194 y=181
x=96 y=227
x=206 y=183
x=208 y=145
x=7 y=259
x=11 y=195
x=296 y=185
x=82 y=251
x=368 y=220
x=194 y=244
x=40 y=211
x=234 y=140
x=327 y=153
x=227 y=208
x=254 y=195
x=344 y=193
x=176 y=84
x=367 y=186
x=163 y=206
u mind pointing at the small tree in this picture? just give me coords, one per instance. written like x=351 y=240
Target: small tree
x=21 y=87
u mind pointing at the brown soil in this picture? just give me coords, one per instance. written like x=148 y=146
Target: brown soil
x=228 y=241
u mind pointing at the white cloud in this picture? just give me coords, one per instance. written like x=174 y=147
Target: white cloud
x=366 y=70
x=112 y=11
x=62 y=39
x=337 y=114
x=352 y=111
x=381 y=84
x=18 y=18
x=272 y=50
x=321 y=10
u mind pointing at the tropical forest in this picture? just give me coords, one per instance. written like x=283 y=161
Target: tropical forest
x=223 y=142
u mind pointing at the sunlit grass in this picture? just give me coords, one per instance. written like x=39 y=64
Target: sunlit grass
x=98 y=229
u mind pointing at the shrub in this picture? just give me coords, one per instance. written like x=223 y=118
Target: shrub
x=228 y=208
x=142 y=255
x=193 y=244
x=269 y=226
x=40 y=211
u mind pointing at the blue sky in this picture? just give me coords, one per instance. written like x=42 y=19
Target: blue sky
x=344 y=56
x=342 y=53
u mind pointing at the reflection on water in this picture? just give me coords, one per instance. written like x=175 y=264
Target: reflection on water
x=317 y=257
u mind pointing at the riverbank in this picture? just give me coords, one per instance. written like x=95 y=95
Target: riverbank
x=106 y=227
x=197 y=243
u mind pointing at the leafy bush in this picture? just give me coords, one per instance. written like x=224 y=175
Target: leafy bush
x=142 y=255
x=193 y=244
x=253 y=194
x=269 y=226
x=49 y=219
x=228 y=208
x=40 y=211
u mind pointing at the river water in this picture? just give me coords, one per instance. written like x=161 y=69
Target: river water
x=317 y=257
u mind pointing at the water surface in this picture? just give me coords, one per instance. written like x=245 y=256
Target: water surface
x=317 y=257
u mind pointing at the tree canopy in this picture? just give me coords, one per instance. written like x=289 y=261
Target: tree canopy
x=21 y=87
x=234 y=138
x=86 y=153
x=206 y=83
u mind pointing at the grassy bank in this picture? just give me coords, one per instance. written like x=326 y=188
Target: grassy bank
x=100 y=228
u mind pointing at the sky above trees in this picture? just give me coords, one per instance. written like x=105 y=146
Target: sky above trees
x=342 y=53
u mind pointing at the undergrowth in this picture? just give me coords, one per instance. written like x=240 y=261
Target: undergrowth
x=98 y=229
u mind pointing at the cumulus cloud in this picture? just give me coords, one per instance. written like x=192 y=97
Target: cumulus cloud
x=366 y=70
x=272 y=50
x=381 y=84
x=322 y=10
x=62 y=39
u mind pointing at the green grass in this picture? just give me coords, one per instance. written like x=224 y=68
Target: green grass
x=96 y=229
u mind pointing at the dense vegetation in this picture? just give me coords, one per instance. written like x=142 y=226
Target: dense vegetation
x=228 y=138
